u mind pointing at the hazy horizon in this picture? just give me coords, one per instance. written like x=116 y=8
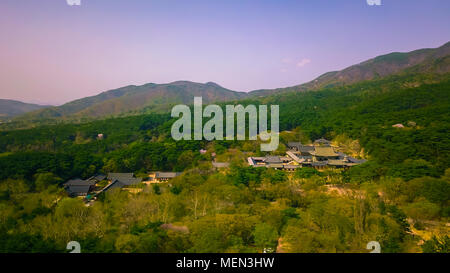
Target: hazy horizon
x=52 y=53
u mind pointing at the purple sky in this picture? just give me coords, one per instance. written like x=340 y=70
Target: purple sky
x=53 y=53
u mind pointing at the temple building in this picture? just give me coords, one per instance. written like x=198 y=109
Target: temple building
x=320 y=155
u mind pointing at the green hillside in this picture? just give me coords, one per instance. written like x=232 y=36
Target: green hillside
x=134 y=100
x=159 y=98
x=436 y=61
x=367 y=111
x=12 y=108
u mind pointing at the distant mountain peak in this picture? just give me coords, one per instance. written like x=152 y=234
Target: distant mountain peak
x=427 y=60
x=12 y=108
x=160 y=97
x=213 y=84
x=148 y=97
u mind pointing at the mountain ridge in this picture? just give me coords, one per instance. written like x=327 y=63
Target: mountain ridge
x=152 y=97
x=159 y=97
x=416 y=61
x=11 y=108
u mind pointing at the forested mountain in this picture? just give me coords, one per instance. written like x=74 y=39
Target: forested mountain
x=146 y=98
x=11 y=108
x=364 y=111
x=159 y=98
x=436 y=61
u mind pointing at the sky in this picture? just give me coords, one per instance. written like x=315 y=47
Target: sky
x=52 y=53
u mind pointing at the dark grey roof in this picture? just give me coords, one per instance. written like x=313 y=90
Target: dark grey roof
x=99 y=177
x=125 y=179
x=291 y=166
x=79 y=189
x=350 y=159
x=166 y=174
x=319 y=163
x=131 y=181
x=79 y=182
x=322 y=141
x=113 y=176
x=294 y=144
x=305 y=149
x=306 y=157
x=113 y=185
x=76 y=181
x=273 y=159
x=354 y=160
x=338 y=162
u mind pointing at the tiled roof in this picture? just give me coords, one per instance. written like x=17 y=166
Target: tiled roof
x=112 y=176
x=166 y=174
x=125 y=179
x=273 y=159
x=324 y=151
x=319 y=163
x=79 y=182
x=306 y=149
x=338 y=162
x=100 y=177
x=294 y=144
x=322 y=141
x=113 y=185
x=78 y=189
x=274 y=165
x=357 y=161
x=291 y=166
